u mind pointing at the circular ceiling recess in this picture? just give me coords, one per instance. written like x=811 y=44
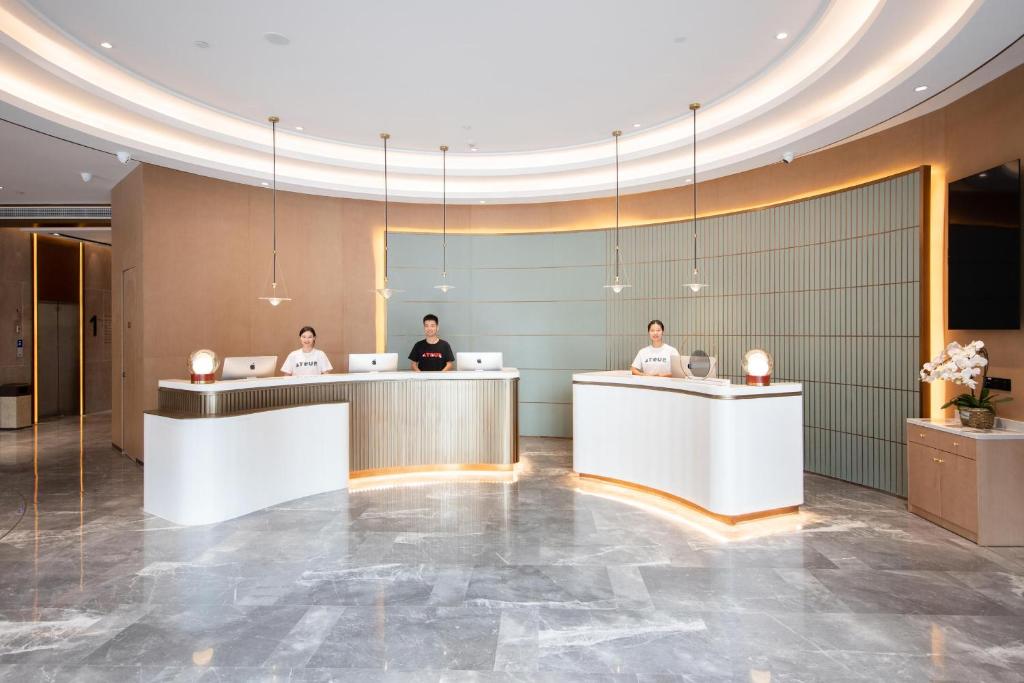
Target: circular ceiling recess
x=276 y=39
x=525 y=94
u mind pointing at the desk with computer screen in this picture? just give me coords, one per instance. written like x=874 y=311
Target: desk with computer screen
x=374 y=422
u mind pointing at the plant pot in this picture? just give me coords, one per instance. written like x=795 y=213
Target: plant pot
x=979 y=418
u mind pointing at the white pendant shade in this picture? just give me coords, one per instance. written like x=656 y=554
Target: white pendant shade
x=617 y=285
x=695 y=285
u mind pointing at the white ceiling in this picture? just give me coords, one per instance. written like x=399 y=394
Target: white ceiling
x=524 y=75
x=537 y=86
x=37 y=169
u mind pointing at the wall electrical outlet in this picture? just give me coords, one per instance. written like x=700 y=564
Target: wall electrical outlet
x=997 y=383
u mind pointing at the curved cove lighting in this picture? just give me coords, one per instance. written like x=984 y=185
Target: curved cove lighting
x=842 y=74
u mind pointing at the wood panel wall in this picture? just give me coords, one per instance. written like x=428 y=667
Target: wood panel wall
x=202 y=243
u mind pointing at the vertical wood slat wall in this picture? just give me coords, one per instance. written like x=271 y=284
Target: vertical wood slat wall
x=829 y=285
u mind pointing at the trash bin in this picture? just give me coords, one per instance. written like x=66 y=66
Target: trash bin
x=15 y=406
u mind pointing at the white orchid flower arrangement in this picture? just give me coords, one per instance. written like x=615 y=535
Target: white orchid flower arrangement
x=963 y=365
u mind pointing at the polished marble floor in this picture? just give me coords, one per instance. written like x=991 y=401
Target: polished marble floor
x=540 y=579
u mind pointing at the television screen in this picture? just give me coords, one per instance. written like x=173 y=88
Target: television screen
x=984 y=244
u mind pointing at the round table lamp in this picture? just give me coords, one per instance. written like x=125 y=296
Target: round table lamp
x=202 y=366
x=757 y=367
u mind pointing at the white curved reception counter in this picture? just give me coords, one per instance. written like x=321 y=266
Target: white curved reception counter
x=217 y=451
x=733 y=451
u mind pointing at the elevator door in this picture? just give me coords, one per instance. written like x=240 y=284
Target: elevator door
x=58 y=359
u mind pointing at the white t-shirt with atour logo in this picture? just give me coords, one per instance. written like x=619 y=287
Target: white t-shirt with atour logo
x=655 y=361
x=300 y=363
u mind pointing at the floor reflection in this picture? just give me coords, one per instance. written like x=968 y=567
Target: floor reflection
x=513 y=576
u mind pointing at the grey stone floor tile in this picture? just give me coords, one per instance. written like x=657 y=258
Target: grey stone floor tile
x=458 y=581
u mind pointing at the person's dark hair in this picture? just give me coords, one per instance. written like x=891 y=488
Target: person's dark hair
x=656 y=322
x=306 y=329
x=430 y=316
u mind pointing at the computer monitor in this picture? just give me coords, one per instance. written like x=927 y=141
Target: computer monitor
x=465 y=360
x=372 y=362
x=246 y=367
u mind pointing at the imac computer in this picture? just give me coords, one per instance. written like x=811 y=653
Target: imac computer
x=477 y=361
x=372 y=362
x=248 y=367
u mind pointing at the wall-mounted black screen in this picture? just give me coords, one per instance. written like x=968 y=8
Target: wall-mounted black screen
x=985 y=250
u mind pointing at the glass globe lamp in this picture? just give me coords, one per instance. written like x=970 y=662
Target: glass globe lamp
x=202 y=366
x=757 y=367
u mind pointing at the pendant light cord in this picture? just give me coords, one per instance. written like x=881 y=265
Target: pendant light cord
x=384 y=137
x=616 y=134
x=444 y=210
x=273 y=193
x=694 y=108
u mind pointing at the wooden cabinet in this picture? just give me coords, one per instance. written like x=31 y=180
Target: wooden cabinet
x=925 y=474
x=968 y=485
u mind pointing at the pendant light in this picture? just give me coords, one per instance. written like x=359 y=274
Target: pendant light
x=444 y=286
x=695 y=284
x=617 y=284
x=385 y=291
x=277 y=292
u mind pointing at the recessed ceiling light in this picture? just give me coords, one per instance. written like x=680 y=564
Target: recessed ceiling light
x=636 y=125
x=265 y=184
x=201 y=44
x=55 y=234
x=781 y=35
x=106 y=45
x=276 y=38
x=921 y=88
x=298 y=128
x=1 y=187
x=689 y=180
x=474 y=148
x=482 y=201
x=983 y=175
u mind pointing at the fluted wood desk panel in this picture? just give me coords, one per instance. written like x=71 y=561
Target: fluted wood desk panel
x=398 y=420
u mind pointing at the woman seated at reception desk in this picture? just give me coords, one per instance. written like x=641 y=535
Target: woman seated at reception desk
x=306 y=360
x=657 y=359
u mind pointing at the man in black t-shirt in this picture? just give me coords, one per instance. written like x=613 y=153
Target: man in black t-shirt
x=432 y=354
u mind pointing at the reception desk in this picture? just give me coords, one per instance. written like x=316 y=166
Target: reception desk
x=735 y=452
x=253 y=434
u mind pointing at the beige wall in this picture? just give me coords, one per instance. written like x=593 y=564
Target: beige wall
x=15 y=296
x=96 y=284
x=205 y=243
x=202 y=248
x=126 y=203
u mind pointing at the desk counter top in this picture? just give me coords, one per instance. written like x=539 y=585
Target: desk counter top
x=281 y=381
x=688 y=386
x=1005 y=429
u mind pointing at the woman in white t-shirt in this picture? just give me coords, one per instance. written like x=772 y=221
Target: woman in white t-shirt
x=307 y=360
x=655 y=360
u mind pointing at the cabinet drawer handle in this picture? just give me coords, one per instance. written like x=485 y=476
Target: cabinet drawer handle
x=955 y=444
x=920 y=435
x=938 y=460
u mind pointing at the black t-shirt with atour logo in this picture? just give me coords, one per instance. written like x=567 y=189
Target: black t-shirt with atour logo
x=432 y=357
